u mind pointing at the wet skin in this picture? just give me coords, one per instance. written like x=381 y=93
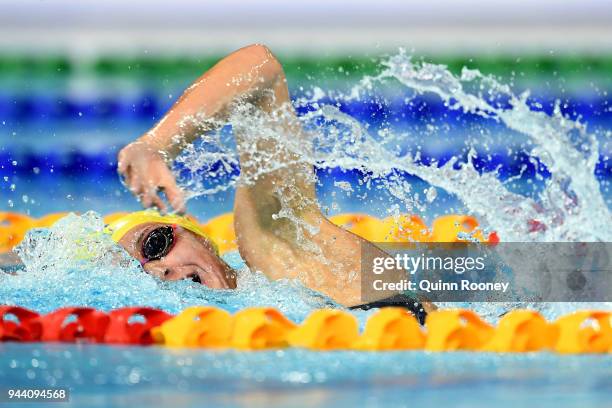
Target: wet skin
x=190 y=257
x=329 y=264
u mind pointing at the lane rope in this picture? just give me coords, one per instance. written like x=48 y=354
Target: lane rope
x=262 y=328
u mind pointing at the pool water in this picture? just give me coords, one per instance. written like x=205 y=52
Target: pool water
x=58 y=154
x=63 y=120
x=109 y=376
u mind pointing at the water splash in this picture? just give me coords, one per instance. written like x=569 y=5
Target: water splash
x=72 y=263
x=569 y=207
x=75 y=263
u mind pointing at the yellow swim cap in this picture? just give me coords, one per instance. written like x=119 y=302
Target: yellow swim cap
x=118 y=228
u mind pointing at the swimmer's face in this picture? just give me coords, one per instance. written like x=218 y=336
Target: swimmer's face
x=189 y=256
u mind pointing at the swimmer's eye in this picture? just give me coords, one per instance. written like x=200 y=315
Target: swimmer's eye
x=158 y=243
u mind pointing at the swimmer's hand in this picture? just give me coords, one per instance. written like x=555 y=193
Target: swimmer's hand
x=146 y=174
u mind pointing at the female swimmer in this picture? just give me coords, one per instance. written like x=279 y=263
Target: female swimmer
x=307 y=247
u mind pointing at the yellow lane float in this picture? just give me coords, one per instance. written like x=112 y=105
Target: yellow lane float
x=197 y=326
x=521 y=331
x=456 y=329
x=258 y=328
x=221 y=230
x=584 y=332
x=326 y=329
x=13 y=227
x=262 y=328
x=402 y=228
x=391 y=328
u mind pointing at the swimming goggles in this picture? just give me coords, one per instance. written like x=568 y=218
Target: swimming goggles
x=158 y=243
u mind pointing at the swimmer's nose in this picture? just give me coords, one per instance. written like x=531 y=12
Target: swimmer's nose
x=186 y=273
x=180 y=273
x=216 y=274
x=159 y=272
x=171 y=273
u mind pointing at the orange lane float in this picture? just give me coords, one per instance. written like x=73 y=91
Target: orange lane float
x=448 y=228
x=456 y=329
x=13 y=227
x=196 y=326
x=584 y=332
x=391 y=328
x=261 y=328
x=326 y=329
x=403 y=228
x=221 y=230
x=521 y=331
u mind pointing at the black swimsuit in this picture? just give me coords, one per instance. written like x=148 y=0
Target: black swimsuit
x=404 y=301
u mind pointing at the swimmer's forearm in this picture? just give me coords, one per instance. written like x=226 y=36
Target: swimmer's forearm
x=246 y=73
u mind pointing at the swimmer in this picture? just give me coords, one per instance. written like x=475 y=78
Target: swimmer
x=309 y=247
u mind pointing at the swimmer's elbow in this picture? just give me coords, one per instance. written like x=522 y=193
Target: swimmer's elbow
x=262 y=56
x=260 y=52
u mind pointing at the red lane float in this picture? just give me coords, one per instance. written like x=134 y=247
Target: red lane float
x=125 y=329
x=74 y=324
x=27 y=327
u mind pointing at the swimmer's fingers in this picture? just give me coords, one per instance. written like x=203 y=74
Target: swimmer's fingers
x=145 y=191
x=122 y=163
x=175 y=195
x=151 y=199
x=132 y=162
x=145 y=173
x=122 y=166
x=159 y=203
x=131 y=179
x=139 y=193
x=164 y=182
x=146 y=200
x=136 y=188
x=128 y=179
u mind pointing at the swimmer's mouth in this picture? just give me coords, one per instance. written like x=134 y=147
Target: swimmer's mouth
x=195 y=278
x=205 y=279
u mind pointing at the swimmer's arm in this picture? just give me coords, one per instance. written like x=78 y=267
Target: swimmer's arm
x=250 y=74
x=246 y=73
x=269 y=243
